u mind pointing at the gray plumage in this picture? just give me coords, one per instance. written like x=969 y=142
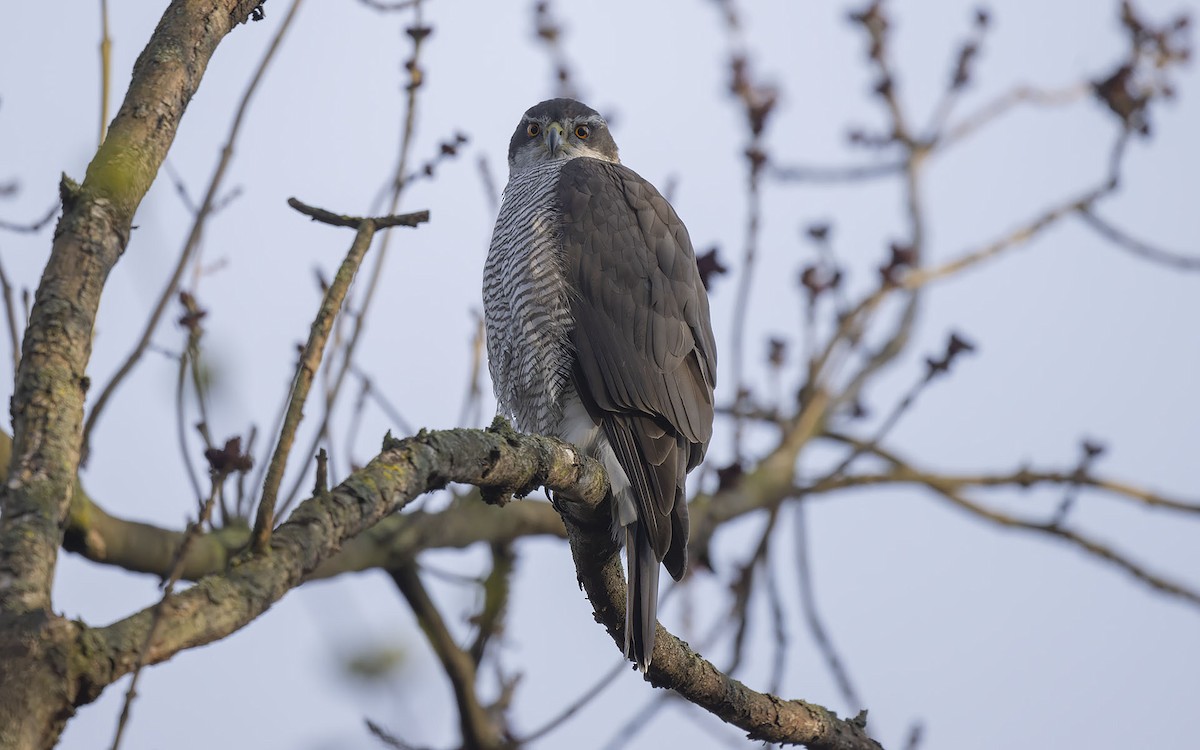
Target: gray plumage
x=598 y=333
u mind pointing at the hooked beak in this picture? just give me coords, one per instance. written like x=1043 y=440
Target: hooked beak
x=555 y=137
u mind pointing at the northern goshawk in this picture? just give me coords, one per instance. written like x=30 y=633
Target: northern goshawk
x=598 y=333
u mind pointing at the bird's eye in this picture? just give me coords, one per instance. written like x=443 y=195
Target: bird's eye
x=533 y=129
x=582 y=132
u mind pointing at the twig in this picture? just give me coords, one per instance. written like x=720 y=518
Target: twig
x=10 y=312
x=193 y=238
x=479 y=731
x=388 y=7
x=489 y=185
x=105 y=68
x=193 y=531
x=383 y=402
x=379 y=732
x=473 y=398
x=826 y=175
x=903 y=472
x=181 y=425
x=576 y=705
x=1142 y=249
x=1015 y=238
x=1090 y=450
x=417 y=32
x=779 y=626
x=33 y=227
x=743 y=589
x=355 y=222
x=306 y=369
x=962 y=72
x=180 y=187
x=876 y=24
x=496 y=590
x=1007 y=102
x=550 y=32
x=757 y=102
x=812 y=616
x=956 y=345
x=1022 y=478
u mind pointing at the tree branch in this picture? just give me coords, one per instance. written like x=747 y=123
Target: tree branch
x=92 y=234
x=478 y=731
x=503 y=463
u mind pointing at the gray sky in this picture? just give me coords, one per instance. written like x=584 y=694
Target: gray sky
x=992 y=639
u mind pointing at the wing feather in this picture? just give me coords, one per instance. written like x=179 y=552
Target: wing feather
x=646 y=359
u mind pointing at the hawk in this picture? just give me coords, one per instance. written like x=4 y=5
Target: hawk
x=598 y=333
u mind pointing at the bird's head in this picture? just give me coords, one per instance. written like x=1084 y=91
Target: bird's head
x=559 y=129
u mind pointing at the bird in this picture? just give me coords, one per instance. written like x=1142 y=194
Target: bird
x=598 y=333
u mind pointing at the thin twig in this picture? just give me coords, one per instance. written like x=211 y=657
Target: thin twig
x=479 y=731
x=902 y=471
x=10 y=312
x=181 y=426
x=473 y=398
x=193 y=238
x=32 y=227
x=388 y=7
x=306 y=369
x=193 y=531
x=743 y=589
x=1006 y=103
x=1015 y=238
x=105 y=68
x=354 y=222
x=497 y=588
x=1139 y=248
x=826 y=175
x=1022 y=478
x=418 y=32
x=381 y=400
x=812 y=616
x=556 y=721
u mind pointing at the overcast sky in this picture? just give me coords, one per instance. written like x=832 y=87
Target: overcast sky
x=992 y=639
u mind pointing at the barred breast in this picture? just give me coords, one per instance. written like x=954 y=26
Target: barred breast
x=526 y=306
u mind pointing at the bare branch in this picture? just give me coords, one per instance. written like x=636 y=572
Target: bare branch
x=1139 y=248
x=812 y=616
x=417 y=33
x=827 y=175
x=105 y=68
x=194 y=234
x=306 y=370
x=902 y=471
x=478 y=730
x=10 y=314
x=1006 y=103
x=33 y=227
x=355 y=222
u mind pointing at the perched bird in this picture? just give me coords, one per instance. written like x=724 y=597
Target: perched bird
x=598 y=333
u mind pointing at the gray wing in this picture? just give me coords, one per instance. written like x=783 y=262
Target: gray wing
x=646 y=359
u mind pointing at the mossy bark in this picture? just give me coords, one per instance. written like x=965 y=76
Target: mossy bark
x=39 y=667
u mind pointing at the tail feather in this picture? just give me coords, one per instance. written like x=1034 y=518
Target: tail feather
x=641 y=598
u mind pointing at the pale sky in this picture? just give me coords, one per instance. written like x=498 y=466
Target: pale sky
x=992 y=639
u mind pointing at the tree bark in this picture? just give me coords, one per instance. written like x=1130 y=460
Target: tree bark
x=39 y=651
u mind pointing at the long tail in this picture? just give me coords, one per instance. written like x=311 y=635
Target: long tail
x=641 y=598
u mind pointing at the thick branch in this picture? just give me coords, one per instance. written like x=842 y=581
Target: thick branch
x=91 y=235
x=39 y=678
x=222 y=604
x=675 y=666
x=502 y=462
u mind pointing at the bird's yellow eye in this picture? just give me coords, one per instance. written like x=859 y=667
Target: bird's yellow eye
x=582 y=132
x=533 y=129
